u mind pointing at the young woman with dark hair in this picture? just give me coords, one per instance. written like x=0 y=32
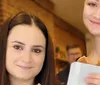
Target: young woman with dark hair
x=26 y=52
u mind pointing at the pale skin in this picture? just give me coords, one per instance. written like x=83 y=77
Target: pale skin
x=25 y=54
x=91 y=17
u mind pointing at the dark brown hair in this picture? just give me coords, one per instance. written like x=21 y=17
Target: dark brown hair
x=47 y=74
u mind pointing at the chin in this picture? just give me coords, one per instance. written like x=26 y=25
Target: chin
x=24 y=77
x=95 y=32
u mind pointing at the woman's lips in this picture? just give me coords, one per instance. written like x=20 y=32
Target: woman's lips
x=24 y=67
x=95 y=22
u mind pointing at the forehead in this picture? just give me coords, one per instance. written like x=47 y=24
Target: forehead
x=26 y=33
x=73 y=50
x=92 y=0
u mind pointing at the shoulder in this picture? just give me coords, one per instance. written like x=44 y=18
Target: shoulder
x=82 y=59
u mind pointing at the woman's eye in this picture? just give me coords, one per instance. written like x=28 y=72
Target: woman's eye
x=36 y=50
x=92 y=4
x=17 y=47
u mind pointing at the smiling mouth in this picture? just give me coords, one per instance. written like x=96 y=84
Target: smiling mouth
x=24 y=67
x=95 y=22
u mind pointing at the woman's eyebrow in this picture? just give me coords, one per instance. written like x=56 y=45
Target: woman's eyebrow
x=38 y=46
x=18 y=42
x=24 y=44
x=92 y=0
x=97 y=0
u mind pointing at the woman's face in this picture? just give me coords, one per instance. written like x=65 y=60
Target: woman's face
x=25 y=52
x=91 y=16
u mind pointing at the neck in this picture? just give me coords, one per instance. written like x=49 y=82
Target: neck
x=95 y=54
x=97 y=45
x=16 y=81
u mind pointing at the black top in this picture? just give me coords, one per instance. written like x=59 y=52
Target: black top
x=63 y=75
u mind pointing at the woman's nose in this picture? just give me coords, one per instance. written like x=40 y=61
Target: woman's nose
x=97 y=14
x=26 y=57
